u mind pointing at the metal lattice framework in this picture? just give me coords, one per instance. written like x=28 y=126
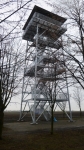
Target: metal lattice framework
x=44 y=81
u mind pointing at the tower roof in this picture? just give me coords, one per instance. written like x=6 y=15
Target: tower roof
x=45 y=13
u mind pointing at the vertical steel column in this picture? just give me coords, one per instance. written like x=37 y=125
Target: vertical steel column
x=34 y=121
x=69 y=101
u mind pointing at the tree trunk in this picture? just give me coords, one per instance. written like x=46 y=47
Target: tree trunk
x=1 y=113
x=52 y=119
x=63 y=114
x=1 y=123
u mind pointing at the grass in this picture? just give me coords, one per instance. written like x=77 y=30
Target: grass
x=60 y=140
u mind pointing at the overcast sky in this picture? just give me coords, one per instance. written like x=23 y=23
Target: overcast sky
x=15 y=103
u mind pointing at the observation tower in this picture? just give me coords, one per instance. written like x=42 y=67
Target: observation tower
x=45 y=76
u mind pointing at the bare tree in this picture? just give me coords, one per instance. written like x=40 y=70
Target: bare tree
x=75 y=42
x=55 y=83
x=51 y=93
x=12 y=17
x=10 y=65
x=73 y=39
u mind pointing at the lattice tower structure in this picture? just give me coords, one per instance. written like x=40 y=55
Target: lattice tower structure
x=44 y=81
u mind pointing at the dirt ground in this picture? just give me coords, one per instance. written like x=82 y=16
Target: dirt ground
x=10 y=121
x=24 y=136
x=61 y=124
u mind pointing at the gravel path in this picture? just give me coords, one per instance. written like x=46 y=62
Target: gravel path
x=43 y=125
